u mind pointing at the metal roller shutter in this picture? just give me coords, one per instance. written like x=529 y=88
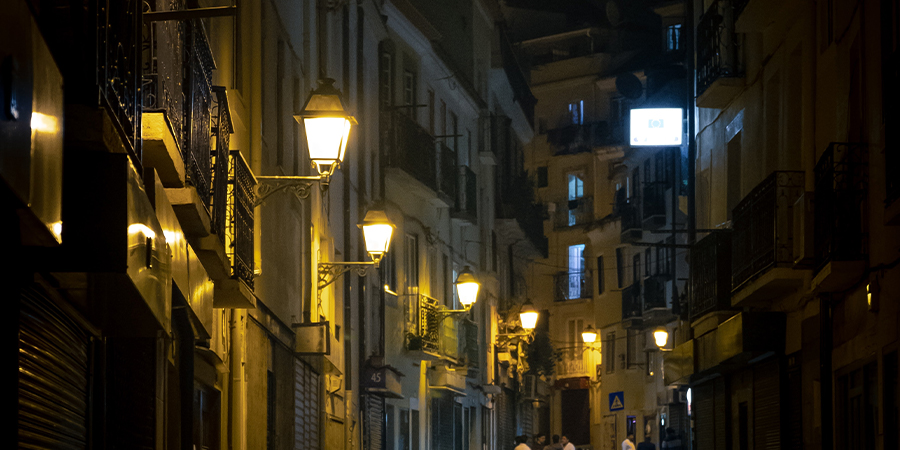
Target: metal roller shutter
x=54 y=359
x=374 y=422
x=766 y=406
x=704 y=415
x=306 y=406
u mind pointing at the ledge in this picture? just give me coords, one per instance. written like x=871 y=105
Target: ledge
x=160 y=150
x=231 y=293
x=189 y=209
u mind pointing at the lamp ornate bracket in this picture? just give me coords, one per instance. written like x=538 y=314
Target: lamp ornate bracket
x=506 y=338
x=443 y=314
x=330 y=272
x=298 y=185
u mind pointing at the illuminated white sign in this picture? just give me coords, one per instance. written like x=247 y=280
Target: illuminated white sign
x=656 y=126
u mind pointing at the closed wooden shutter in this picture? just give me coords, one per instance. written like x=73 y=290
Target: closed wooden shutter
x=54 y=356
x=506 y=420
x=306 y=406
x=766 y=406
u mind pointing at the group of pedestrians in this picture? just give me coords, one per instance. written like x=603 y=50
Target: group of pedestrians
x=671 y=442
x=540 y=443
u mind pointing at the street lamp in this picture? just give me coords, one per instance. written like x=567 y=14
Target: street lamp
x=327 y=125
x=467 y=287
x=661 y=336
x=528 y=316
x=588 y=335
x=377 y=231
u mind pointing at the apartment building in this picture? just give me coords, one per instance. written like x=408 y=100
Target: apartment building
x=793 y=292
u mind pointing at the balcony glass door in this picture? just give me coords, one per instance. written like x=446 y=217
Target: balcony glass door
x=576 y=193
x=576 y=270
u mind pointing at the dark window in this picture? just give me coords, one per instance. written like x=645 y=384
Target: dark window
x=620 y=267
x=609 y=352
x=673 y=37
x=542 y=178
x=389 y=427
x=600 y=275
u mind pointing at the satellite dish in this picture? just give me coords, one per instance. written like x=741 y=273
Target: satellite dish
x=629 y=86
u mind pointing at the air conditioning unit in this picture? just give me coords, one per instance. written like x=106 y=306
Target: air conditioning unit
x=673 y=396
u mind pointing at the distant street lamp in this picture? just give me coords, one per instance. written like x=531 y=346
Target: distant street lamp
x=528 y=315
x=661 y=336
x=589 y=335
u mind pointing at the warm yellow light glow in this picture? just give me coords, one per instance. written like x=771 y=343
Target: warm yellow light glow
x=136 y=228
x=869 y=294
x=661 y=335
x=588 y=335
x=44 y=123
x=467 y=287
x=56 y=229
x=327 y=138
x=528 y=316
x=378 y=239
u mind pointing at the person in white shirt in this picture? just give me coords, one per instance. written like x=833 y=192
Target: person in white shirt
x=520 y=443
x=628 y=443
x=566 y=444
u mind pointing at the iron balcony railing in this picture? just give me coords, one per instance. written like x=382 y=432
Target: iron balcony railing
x=429 y=326
x=717 y=52
x=575 y=212
x=578 y=138
x=467 y=199
x=222 y=129
x=119 y=66
x=842 y=186
x=198 y=67
x=711 y=274
x=163 y=67
x=631 y=301
x=763 y=227
x=572 y=286
x=448 y=180
x=240 y=219
x=629 y=213
x=654 y=292
x=410 y=148
x=653 y=205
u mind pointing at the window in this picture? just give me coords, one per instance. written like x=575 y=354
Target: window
x=389 y=423
x=636 y=268
x=542 y=179
x=409 y=90
x=673 y=37
x=576 y=271
x=647 y=262
x=576 y=112
x=386 y=80
x=576 y=185
x=431 y=111
x=389 y=272
x=600 y=275
x=412 y=263
x=633 y=350
x=620 y=267
x=403 y=437
x=454 y=131
x=575 y=344
x=609 y=352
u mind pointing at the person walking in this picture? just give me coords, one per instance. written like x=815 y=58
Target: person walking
x=521 y=443
x=566 y=444
x=628 y=443
x=672 y=441
x=647 y=444
x=540 y=441
x=555 y=445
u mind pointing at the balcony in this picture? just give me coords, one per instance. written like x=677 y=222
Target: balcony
x=657 y=301
x=237 y=290
x=572 y=364
x=572 y=286
x=631 y=303
x=841 y=208
x=518 y=215
x=118 y=26
x=762 y=240
x=579 y=138
x=448 y=178
x=425 y=333
x=630 y=215
x=572 y=213
x=409 y=148
x=711 y=275
x=466 y=207
x=719 y=73
x=653 y=205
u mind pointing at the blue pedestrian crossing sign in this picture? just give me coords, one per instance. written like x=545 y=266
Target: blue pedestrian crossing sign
x=617 y=401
